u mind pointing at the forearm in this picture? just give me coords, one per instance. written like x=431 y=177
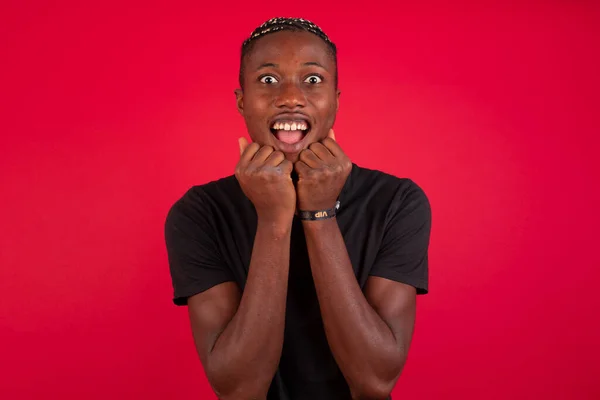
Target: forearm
x=361 y=342
x=245 y=356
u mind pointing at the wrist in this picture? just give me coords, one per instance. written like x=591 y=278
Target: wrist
x=316 y=206
x=318 y=214
x=278 y=225
x=320 y=226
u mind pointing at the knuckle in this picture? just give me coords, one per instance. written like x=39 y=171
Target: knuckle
x=241 y=170
x=280 y=171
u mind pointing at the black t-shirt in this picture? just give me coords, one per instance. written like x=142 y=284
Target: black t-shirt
x=385 y=222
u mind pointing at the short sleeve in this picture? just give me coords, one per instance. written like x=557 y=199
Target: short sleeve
x=194 y=259
x=403 y=255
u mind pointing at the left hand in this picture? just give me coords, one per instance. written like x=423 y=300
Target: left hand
x=322 y=172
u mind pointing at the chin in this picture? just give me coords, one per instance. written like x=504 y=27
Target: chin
x=292 y=157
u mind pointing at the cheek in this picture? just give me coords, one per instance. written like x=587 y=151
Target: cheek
x=326 y=104
x=256 y=112
x=255 y=109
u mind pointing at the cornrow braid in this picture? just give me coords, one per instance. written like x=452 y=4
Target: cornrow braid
x=279 y=24
x=282 y=24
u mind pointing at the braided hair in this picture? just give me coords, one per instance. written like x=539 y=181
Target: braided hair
x=284 y=24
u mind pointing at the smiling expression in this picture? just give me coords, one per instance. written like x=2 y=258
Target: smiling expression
x=289 y=97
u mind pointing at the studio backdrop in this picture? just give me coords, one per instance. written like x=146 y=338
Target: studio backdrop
x=110 y=111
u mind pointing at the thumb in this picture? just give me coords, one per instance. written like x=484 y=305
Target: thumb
x=331 y=135
x=243 y=144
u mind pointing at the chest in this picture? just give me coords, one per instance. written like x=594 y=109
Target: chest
x=362 y=233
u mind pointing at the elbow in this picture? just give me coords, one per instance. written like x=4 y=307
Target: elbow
x=372 y=390
x=228 y=386
x=232 y=380
x=239 y=390
x=241 y=393
x=372 y=387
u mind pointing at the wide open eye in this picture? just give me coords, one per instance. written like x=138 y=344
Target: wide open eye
x=268 y=79
x=313 y=79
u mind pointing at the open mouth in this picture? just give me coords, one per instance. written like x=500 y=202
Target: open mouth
x=290 y=131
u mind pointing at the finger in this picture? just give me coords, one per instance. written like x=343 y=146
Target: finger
x=287 y=167
x=243 y=143
x=321 y=151
x=301 y=168
x=275 y=158
x=333 y=147
x=249 y=151
x=262 y=154
x=310 y=158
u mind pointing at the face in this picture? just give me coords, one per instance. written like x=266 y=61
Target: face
x=289 y=99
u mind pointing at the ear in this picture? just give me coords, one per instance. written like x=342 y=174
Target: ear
x=331 y=135
x=239 y=95
x=337 y=99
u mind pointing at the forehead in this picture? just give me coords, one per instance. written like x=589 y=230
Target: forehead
x=289 y=46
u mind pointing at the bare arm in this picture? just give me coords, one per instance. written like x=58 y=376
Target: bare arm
x=369 y=334
x=239 y=337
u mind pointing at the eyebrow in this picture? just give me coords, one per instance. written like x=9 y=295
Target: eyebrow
x=267 y=65
x=272 y=65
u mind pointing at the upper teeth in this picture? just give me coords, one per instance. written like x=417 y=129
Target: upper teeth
x=290 y=126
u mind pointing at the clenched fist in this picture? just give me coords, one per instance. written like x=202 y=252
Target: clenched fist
x=265 y=177
x=322 y=172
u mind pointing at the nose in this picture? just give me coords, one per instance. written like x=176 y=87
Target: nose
x=290 y=96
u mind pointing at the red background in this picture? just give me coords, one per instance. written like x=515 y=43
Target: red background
x=110 y=112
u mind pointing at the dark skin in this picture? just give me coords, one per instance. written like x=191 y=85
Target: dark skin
x=239 y=336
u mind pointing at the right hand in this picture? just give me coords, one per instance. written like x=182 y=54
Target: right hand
x=265 y=176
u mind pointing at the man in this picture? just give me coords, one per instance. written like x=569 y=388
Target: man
x=300 y=272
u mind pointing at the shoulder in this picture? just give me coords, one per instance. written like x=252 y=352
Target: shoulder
x=199 y=202
x=403 y=217
x=389 y=191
